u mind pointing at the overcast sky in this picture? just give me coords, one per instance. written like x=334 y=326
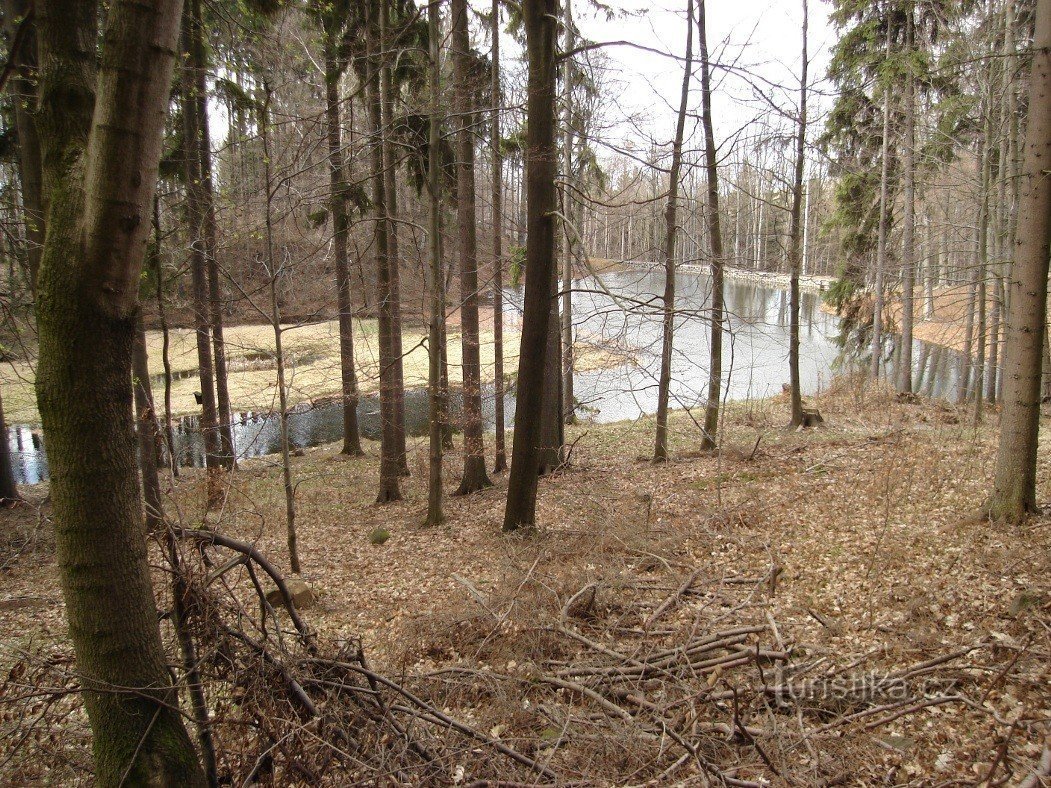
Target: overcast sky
x=761 y=37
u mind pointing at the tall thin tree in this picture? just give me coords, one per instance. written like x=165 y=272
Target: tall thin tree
x=496 y=96
x=715 y=239
x=884 y=216
x=795 y=232
x=334 y=22
x=474 y=473
x=436 y=389
x=390 y=459
x=660 y=449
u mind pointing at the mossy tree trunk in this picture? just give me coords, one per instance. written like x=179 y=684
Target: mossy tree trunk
x=1014 y=488
x=100 y=130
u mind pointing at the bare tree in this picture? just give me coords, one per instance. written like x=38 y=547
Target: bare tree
x=795 y=233
x=715 y=369
x=660 y=449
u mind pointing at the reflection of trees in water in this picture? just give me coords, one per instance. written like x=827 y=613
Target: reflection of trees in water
x=619 y=313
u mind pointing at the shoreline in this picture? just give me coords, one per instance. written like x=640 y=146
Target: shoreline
x=807 y=283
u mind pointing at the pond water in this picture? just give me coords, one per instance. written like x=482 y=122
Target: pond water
x=621 y=310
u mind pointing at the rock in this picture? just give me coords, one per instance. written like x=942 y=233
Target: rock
x=302 y=595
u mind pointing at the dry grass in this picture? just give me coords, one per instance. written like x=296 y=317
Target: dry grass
x=312 y=353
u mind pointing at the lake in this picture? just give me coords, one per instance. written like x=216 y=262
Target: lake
x=621 y=309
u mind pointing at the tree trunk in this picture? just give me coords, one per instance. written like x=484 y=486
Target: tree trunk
x=8 y=489
x=552 y=421
x=796 y=230
x=568 y=409
x=206 y=231
x=660 y=448
x=162 y=316
x=274 y=272
x=715 y=369
x=390 y=466
x=195 y=215
x=338 y=208
x=474 y=473
x=436 y=393
x=1014 y=488
x=540 y=20
x=884 y=226
x=23 y=91
x=146 y=431
x=908 y=243
x=99 y=188
x=500 y=463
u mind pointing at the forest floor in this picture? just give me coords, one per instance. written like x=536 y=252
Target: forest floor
x=837 y=559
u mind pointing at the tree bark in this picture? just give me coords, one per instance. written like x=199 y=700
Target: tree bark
x=197 y=64
x=568 y=409
x=338 y=208
x=715 y=369
x=146 y=430
x=500 y=462
x=274 y=272
x=474 y=473
x=540 y=19
x=24 y=95
x=884 y=225
x=796 y=230
x=195 y=215
x=101 y=144
x=436 y=393
x=908 y=243
x=390 y=466
x=8 y=489
x=660 y=448
x=1014 y=488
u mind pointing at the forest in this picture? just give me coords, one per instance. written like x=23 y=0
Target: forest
x=525 y=393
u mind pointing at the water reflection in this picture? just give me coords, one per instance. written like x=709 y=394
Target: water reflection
x=621 y=311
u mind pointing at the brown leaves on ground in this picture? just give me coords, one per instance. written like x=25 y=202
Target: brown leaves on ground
x=852 y=551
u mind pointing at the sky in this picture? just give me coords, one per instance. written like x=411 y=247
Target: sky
x=760 y=37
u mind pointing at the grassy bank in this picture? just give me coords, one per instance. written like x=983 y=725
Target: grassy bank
x=313 y=364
